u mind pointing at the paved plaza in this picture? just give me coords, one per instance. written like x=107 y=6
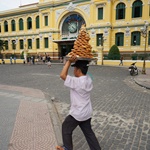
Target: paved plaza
x=34 y=102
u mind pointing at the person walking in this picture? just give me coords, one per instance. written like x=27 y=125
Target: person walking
x=81 y=108
x=11 y=60
x=49 y=61
x=121 y=61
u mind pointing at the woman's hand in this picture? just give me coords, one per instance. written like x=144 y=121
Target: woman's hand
x=73 y=58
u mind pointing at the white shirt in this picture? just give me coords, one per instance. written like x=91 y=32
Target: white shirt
x=80 y=88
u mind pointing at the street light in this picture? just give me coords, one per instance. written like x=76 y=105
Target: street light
x=144 y=34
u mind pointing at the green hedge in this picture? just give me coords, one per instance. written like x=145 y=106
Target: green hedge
x=114 y=53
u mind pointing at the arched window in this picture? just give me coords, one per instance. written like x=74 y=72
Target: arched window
x=13 y=25
x=14 y=44
x=46 y=42
x=29 y=23
x=37 y=43
x=119 y=39
x=149 y=38
x=21 y=27
x=99 y=38
x=6 y=45
x=6 y=26
x=21 y=43
x=29 y=43
x=135 y=38
x=120 y=11
x=137 y=9
x=37 y=22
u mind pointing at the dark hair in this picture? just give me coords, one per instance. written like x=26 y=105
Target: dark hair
x=82 y=65
x=84 y=69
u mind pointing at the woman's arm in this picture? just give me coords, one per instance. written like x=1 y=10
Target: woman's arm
x=65 y=69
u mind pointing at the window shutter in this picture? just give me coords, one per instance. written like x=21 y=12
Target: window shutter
x=21 y=24
x=121 y=39
x=46 y=20
x=37 y=22
x=6 y=45
x=117 y=13
x=29 y=44
x=149 y=38
x=138 y=38
x=37 y=43
x=46 y=42
x=6 y=26
x=100 y=13
x=21 y=44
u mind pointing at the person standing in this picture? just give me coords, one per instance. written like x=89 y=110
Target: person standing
x=81 y=108
x=33 y=59
x=3 y=61
x=14 y=59
x=121 y=61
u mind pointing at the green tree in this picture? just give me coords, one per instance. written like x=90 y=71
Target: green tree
x=114 y=53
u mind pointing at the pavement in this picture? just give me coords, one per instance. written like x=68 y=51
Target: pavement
x=31 y=125
x=36 y=125
x=143 y=79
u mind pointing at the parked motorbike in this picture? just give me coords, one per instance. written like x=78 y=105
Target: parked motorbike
x=133 y=69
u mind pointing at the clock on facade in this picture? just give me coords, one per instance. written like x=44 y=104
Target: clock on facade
x=72 y=27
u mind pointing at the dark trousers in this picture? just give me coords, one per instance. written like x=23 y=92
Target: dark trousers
x=70 y=124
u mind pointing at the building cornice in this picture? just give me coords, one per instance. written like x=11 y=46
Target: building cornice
x=18 y=11
x=59 y=3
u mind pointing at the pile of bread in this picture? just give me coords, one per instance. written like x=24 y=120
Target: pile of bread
x=81 y=47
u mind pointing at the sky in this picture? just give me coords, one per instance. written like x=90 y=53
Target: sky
x=11 y=4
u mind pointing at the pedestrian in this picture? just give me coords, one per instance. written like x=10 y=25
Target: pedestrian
x=121 y=61
x=61 y=59
x=28 y=60
x=3 y=61
x=81 y=108
x=49 y=61
x=14 y=59
x=11 y=60
x=43 y=58
x=33 y=59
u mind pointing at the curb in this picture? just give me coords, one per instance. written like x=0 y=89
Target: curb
x=141 y=84
x=55 y=118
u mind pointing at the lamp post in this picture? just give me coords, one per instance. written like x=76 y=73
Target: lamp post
x=144 y=34
x=101 y=43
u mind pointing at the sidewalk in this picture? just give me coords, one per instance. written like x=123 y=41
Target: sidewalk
x=143 y=79
x=31 y=126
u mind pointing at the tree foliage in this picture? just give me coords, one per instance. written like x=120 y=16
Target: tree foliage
x=2 y=45
x=114 y=53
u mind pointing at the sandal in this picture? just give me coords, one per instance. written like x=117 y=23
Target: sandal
x=59 y=148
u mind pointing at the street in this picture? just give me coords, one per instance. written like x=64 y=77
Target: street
x=121 y=108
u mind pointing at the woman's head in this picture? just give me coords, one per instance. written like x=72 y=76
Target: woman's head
x=81 y=66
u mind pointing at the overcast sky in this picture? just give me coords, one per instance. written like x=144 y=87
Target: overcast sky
x=11 y=4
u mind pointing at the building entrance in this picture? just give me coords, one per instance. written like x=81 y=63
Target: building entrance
x=64 y=47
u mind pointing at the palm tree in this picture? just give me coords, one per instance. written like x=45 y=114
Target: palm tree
x=2 y=46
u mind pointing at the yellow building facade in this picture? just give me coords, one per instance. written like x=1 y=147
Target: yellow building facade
x=51 y=27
